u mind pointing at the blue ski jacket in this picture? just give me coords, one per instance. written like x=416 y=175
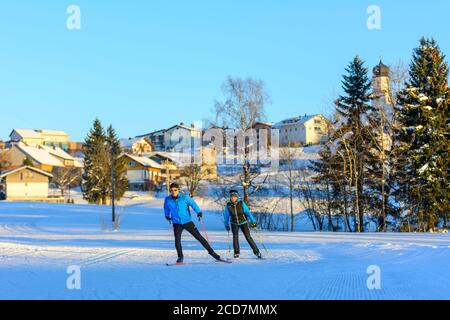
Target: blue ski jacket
x=178 y=208
x=237 y=213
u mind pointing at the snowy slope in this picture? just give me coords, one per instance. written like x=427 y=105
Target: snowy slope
x=39 y=241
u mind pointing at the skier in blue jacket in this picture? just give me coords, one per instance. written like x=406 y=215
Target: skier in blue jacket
x=177 y=211
x=238 y=214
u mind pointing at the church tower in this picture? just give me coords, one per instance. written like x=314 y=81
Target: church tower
x=381 y=85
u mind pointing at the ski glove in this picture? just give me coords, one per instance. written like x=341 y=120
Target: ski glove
x=227 y=228
x=199 y=215
x=254 y=225
x=169 y=219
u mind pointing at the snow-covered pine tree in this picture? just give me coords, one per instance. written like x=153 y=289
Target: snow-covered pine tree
x=95 y=176
x=424 y=136
x=353 y=134
x=120 y=179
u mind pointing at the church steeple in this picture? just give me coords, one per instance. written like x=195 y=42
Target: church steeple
x=381 y=70
x=381 y=83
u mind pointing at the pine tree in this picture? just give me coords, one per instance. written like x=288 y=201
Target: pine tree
x=28 y=162
x=353 y=134
x=95 y=176
x=424 y=136
x=119 y=164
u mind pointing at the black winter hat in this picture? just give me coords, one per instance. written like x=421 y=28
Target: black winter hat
x=234 y=193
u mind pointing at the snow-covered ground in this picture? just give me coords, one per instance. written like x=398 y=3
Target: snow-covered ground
x=38 y=242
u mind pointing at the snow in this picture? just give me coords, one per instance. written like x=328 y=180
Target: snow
x=146 y=162
x=40 y=155
x=56 y=151
x=38 y=241
x=28 y=133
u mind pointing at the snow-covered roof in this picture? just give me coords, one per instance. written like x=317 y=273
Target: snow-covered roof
x=9 y=172
x=39 y=155
x=176 y=157
x=27 y=133
x=146 y=162
x=162 y=131
x=37 y=134
x=128 y=143
x=295 y=120
x=182 y=126
x=58 y=152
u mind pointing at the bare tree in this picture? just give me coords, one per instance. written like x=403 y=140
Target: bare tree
x=4 y=160
x=66 y=177
x=193 y=175
x=290 y=174
x=244 y=104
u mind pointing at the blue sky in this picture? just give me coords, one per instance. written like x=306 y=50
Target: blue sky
x=145 y=65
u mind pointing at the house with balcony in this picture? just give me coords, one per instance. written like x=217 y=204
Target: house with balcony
x=143 y=173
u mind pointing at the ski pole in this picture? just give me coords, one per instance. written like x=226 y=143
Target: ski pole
x=204 y=230
x=229 y=244
x=260 y=240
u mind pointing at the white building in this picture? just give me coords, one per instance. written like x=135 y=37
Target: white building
x=308 y=129
x=176 y=137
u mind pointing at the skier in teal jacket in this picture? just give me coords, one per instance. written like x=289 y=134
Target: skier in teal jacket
x=238 y=214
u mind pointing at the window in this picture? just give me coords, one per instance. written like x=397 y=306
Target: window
x=317 y=121
x=132 y=164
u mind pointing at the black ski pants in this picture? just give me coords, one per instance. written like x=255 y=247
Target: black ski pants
x=246 y=231
x=192 y=229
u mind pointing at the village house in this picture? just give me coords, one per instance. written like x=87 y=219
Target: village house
x=303 y=130
x=169 y=163
x=50 y=138
x=42 y=157
x=142 y=173
x=176 y=164
x=32 y=137
x=137 y=146
x=178 y=136
x=25 y=184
